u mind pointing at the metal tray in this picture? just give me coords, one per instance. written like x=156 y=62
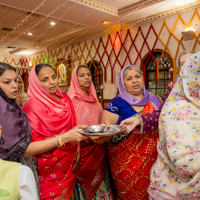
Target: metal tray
x=113 y=130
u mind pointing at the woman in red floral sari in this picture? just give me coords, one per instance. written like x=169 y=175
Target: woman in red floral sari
x=51 y=113
x=132 y=155
x=92 y=171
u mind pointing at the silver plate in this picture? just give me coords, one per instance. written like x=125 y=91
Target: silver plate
x=113 y=130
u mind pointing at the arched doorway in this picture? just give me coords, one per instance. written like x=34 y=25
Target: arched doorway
x=97 y=77
x=161 y=86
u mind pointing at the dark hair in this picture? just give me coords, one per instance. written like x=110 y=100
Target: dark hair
x=184 y=53
x=40 y=66
x=4 y=67
x=80 y=67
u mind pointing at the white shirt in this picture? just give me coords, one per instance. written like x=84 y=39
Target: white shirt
x=27 y=185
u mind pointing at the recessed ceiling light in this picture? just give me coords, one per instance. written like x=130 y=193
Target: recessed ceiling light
x=53 y=23
x=106 y=22
x=29 y=33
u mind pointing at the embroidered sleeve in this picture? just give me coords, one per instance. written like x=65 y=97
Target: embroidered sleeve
x=113 y=106
x=149 y=121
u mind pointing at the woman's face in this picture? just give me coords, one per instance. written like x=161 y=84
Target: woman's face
x=48 y=79
x=133 y=82
x=8 y=83
x=19 y=82
x=84 y=78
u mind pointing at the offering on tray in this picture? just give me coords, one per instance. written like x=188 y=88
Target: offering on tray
x=96 y=128
x=103 y=130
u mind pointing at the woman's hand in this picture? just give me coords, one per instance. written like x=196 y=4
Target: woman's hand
x=81 y=126
x=99 y=139
x=77 y=159
x=19 y=99
x=74 y=135
x=130 y=123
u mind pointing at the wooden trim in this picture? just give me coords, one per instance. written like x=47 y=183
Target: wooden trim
x=105 y=102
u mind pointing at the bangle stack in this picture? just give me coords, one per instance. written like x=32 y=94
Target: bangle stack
x=60 y=142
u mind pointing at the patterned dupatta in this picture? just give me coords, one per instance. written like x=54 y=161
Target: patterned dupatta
x=176 y=172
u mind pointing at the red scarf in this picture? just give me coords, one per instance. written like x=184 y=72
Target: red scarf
x=93 y=163
x=49 y=117
x=131 y=162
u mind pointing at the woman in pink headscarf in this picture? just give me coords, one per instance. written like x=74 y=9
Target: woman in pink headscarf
x=92 y=170
x=51 y=113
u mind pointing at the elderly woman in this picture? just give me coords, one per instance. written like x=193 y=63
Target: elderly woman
x=92 y=170
x=132 y=155
x=175 y=175
x=149 y=121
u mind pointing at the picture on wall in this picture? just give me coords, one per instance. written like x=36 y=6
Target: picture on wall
x=62 y=75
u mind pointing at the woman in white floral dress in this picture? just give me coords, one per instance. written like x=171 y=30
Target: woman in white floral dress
x=176 y=173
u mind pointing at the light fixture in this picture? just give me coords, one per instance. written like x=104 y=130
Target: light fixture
x=106 y=22
x=30 y=34
x=189 y=29
x=53 y=23
x=188 y=33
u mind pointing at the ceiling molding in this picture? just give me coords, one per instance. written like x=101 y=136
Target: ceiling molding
x=167 y=13
x=137 y=6
x=63 y=34
x=98 y=6
x=116 y=12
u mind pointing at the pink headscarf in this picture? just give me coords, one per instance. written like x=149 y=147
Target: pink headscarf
x=51 y=112
x=87 y=108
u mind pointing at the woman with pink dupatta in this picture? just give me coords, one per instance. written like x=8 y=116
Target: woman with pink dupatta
x=92 y=171
x=51 y=114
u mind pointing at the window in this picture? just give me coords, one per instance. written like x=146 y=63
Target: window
x=160 y=87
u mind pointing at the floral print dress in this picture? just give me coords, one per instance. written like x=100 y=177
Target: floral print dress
x=176 y=173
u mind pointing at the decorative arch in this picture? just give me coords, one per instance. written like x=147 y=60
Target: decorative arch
x=160 y=86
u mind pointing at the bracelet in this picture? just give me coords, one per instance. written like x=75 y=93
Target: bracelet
x=55 y=141
x=87 y=140
x=60 y=141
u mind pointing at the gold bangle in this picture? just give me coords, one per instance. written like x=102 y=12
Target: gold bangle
x=60 y=141
x=55 y=141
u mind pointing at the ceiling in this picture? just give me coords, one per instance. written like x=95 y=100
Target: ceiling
x=74 y=19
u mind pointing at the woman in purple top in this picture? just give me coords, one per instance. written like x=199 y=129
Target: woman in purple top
x=149 y=121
